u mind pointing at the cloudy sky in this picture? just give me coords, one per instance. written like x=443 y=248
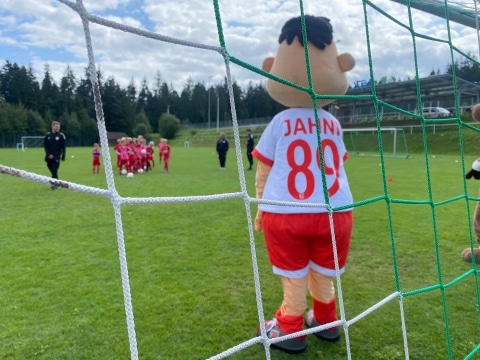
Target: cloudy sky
x=40 y=32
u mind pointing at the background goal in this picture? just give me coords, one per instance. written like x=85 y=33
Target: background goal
x=374 y=141
x=31 y=142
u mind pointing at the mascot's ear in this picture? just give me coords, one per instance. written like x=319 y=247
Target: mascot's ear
x=476 y=112
x=267 y=64
x=346 y=62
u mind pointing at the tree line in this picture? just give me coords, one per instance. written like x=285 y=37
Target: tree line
x=29 y=105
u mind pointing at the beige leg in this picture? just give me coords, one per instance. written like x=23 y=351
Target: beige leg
x=320 y=286
x=294 y=296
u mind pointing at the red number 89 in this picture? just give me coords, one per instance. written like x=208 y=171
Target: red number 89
x=303 y=168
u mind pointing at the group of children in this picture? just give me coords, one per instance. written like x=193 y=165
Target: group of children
x=134 y=155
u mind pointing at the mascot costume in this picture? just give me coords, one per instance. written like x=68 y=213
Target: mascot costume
x=299 y=239
x=475 y=173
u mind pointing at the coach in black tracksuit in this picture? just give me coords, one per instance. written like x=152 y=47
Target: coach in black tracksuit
x=222 y=149
x=55 y=148
x=250 y=146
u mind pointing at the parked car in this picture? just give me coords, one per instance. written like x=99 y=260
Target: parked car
x=435 y=111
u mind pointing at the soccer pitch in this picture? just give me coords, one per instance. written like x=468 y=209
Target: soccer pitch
x=190 y=265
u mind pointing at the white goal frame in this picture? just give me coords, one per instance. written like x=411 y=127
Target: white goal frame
x=374 y=131
x=22 y=146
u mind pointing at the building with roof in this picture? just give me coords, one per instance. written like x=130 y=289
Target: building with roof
x=461 y=13
x=399 y=100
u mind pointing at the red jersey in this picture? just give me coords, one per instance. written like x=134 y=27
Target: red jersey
x=96 y=153
x=150 y=152
x=123 y=152
x=165 y=151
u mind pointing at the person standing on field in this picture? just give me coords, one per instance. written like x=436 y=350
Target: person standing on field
x=150 y=155
x=250 y=146
x=160 y=148
x=222 y=149
x=55 y=150
x=165 y=154
x=96 y=153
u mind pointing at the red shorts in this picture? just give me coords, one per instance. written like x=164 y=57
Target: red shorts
x=297 y=242
x=96 y=161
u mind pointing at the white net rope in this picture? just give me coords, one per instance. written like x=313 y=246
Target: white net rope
x=117 y=200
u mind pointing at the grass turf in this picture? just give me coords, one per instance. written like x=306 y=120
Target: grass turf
x=190 y=264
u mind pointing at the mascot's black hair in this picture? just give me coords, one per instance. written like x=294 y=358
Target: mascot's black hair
x=319 y=31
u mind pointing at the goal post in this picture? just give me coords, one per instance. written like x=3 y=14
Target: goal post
x=31 y=142
x=366 y=141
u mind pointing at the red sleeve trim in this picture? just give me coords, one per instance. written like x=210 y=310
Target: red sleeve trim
x=262 y=158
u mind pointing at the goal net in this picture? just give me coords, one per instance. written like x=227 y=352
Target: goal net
x=374 y=141
x=32 y=142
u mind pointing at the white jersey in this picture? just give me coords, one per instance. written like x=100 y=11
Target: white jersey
x=289 y=145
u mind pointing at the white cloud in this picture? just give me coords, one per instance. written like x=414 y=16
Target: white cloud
x=52 y=33
x=96 y=6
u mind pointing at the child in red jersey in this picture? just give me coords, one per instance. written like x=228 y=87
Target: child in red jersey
x=160 y=146
x=143 y=153
x=132 y=156
x=138 y=154
x=96 y=153
x=117 y=151
x=122 y=153
x=150 y=155
x=165 y=154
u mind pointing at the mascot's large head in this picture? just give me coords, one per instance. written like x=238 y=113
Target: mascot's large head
x=476 y=112
x=327 y=67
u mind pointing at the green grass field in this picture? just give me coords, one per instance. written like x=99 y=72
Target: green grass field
x=190 y=264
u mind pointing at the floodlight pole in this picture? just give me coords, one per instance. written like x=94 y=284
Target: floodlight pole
x=208 y=84
x=209 y=108
x=476 y=25
x=218 y=111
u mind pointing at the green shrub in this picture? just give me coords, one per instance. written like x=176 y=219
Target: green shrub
x=169 y=126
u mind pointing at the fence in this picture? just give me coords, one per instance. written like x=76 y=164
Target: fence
x=243 y=123
x=10 y=140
